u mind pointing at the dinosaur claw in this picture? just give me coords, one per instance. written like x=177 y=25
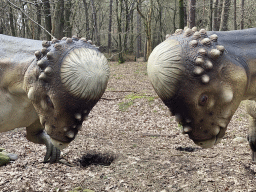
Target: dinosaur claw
x=52 y=153
x=254 y=157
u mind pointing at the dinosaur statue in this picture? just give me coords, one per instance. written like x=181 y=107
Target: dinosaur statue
x=49 y=87
x=202 y=76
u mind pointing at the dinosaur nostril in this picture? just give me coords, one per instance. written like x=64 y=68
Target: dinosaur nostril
x=211 y=113
x=201 y=121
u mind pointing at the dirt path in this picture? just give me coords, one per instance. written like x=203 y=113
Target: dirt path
x=132 y=125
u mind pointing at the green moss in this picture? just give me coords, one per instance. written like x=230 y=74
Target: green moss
x=141 y=96
x=125 y=105
x=134 y=96
x=4 y=158
x=131 y=97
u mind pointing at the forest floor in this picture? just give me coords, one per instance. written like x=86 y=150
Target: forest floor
x=131 y=125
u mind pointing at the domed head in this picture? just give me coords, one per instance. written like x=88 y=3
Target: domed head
x=64 y=84
x=201 y=85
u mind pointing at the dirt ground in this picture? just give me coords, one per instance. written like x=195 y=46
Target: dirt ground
x=131 y=125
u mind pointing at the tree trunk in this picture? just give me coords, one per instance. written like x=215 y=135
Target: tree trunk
x=181 y=14
x=38 y=20
x=128 y=12
x=110 y=26
x=242 y=15
x=138 y=31
x=87 y=23
x=192 y=13
x=174 y=18
x=132 y=34
x=47 y=17
x=209 y=27
x=160 y=29
x=11 y=21
x=58 y=26
x=119 y=29
x=67 y=14
x=147 y=24
x=126 y=25
x=235 y=25
x=224 y=15
x=94 y=17
x=1 y=27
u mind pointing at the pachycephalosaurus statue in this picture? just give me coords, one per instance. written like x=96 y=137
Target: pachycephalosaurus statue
x=49 y=87
x=202 y=76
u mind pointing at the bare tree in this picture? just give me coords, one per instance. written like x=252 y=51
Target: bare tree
x=147 y=26
x=67 y=14
x=47 y=17
x=11 y=19
x=128 y=13
x=110 y=25
x=119 y=11
x=209 y=25
x=235 y=24
x=95 y=27
x=87 y=23
x=225 y=15
x=38 y=19
x=242 y=14
x=181 y=14
x=192 y=13
x=58 y=19
x=138 y=50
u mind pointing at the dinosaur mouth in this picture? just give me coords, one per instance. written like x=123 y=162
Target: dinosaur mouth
x=213 y=141
x=62 y=135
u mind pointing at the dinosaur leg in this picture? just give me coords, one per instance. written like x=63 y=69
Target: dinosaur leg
x=36 y=134
x=251 y=108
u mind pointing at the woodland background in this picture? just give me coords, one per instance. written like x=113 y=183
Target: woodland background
x=123 y=29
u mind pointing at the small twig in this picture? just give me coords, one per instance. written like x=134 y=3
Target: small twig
x=111 y=99
x=122 y=91
x=156 y=135
x=15 y=6
x=28 y=2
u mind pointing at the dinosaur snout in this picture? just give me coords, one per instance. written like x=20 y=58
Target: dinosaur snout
x=206 y=143
x=64 y=134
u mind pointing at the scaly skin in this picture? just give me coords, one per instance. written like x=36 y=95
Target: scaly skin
x=49 y=90
x=202 y=77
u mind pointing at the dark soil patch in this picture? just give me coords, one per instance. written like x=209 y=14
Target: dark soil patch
x=95 y=158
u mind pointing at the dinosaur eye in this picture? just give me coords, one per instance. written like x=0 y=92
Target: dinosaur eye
x=203 y=100
x=49 y=101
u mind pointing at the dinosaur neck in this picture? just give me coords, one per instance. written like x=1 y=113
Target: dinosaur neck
x=16 y=54
x=240 y=46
